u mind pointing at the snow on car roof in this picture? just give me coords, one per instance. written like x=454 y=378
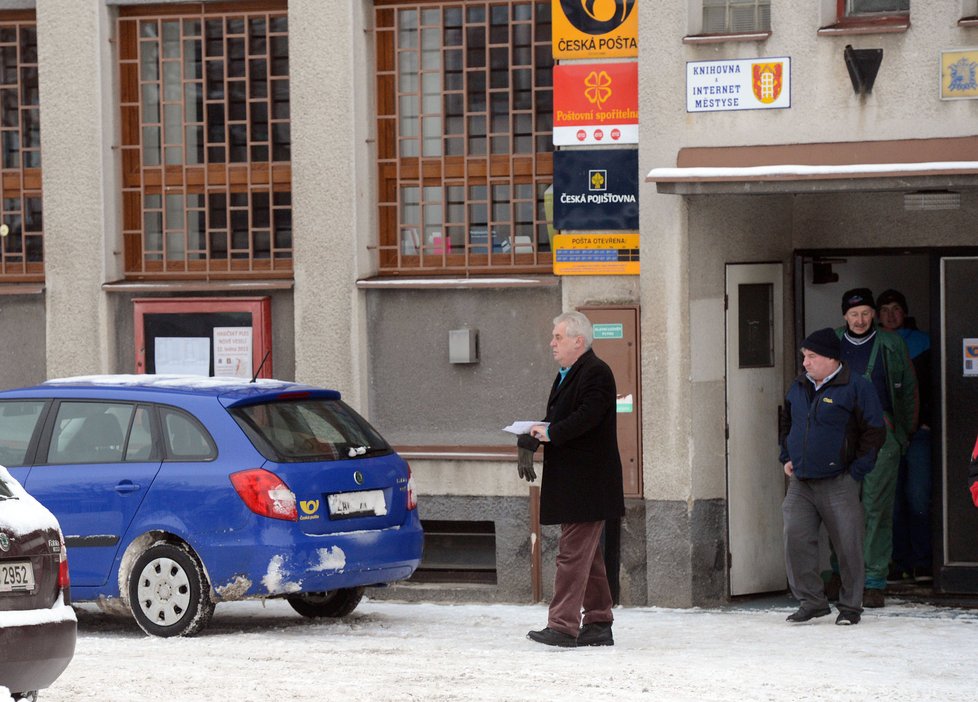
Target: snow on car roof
x=193 y=382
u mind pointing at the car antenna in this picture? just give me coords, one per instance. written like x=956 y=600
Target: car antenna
x=260 y=366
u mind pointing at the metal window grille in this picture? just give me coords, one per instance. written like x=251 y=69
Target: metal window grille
x=206 y=147
x=21 y=221
x=736 y=16
x=464 y=135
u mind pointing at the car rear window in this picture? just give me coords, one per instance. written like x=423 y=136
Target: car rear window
x=18 y=420
x=308 y=430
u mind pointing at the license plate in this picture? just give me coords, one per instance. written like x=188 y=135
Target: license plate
x=16 y=575
x=343 y=505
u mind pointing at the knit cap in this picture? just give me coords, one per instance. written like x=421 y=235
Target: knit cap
x=857 y=297
x=824 y=342
x=888 y=296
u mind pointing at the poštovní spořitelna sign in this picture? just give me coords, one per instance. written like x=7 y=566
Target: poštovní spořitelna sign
x=745 y=84
x=596 y=189
x=594 y=28
x=595 y=103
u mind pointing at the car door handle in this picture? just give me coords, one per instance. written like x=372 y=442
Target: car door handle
x=126 y=486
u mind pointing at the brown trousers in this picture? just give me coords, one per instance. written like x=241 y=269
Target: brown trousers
x=581 y=581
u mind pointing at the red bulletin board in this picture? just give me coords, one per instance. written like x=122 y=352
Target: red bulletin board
x=197 y=317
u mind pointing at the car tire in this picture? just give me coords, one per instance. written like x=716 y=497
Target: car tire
x=335 y=603
x=168 y=592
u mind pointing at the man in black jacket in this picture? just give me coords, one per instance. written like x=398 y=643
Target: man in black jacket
x=833 y=429
x=582 y=485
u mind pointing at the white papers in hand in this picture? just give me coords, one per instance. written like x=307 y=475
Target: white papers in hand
x=523 y=427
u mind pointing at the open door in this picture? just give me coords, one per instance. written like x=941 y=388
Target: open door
x=755 y=390
x=959 y=410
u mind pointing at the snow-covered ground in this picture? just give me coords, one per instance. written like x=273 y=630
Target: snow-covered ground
x=407 y=651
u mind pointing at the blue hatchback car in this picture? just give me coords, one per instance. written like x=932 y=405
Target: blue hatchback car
x=176 y=493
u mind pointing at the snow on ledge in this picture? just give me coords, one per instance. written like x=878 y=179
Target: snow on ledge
x=780 y=170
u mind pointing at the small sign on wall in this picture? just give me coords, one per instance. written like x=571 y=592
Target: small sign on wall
x=232 y=352
x=595 y=103
x=959 y=74
x=970 y=358
x=743 y=84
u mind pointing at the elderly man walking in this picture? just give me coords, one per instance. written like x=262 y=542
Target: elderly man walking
x=882 y=358
x=832 y=430
x=582 y=485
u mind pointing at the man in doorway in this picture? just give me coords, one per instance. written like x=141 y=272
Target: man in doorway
x=832 y=430
x=911 y=509
x=882 y=358
x=582 y=485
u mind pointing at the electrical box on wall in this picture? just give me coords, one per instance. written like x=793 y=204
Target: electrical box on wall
x=463 y=346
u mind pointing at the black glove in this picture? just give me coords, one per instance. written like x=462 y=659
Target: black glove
x=526 y=446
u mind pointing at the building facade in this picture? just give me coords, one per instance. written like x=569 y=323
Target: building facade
x=368 y=179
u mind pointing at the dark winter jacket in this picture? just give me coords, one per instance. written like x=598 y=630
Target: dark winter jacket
x=901 y=381
x=582 y=479
x=838 y=427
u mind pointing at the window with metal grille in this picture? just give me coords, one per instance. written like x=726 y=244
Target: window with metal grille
x=21 y=223
x=736 y=16
x=206 y=142
x=464 y=135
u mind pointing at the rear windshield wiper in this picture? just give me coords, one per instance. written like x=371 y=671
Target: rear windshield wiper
x=355 y=451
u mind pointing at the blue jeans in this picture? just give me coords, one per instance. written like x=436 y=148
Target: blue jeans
x=911 y=508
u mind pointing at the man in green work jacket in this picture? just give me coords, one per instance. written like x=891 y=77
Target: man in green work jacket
x=882 y=358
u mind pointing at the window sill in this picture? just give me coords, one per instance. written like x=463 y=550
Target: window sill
x=502 y=281
x=694 y=39
x=21 y=288
x=457 y=453
x=968 y=22
x=882 y=25
x=208 y=286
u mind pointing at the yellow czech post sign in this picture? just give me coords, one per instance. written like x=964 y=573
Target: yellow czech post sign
x=596 y=254
x=594 y=28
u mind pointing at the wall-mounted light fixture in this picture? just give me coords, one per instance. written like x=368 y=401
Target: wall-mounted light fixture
x=863 y=65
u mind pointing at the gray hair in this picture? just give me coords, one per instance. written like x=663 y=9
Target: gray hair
x=576 y=325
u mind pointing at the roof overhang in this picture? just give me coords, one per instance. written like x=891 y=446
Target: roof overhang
x=867 y=166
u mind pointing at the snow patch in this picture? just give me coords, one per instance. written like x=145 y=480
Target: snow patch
x=59 y=612
x=330 y=559
x=276 y=580
x=166 y=381
x=235 y=589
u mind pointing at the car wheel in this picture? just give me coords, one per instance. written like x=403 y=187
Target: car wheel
x=335 y=603
x=168 y=592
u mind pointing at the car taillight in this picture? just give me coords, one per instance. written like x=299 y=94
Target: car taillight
x=412 y=499
x=265 y=494
x=63 y=580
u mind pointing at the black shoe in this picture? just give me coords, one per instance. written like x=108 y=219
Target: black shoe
x=596 y=634
x=873 y=597
x=832 y=588
x=803 y=615
x=552 y=638
x=847 y=618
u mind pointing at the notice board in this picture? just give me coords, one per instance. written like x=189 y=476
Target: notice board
x=213 y=336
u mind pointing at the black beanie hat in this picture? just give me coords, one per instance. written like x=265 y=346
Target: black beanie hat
x=896 y=296
x=824 y=342
x=857 y=297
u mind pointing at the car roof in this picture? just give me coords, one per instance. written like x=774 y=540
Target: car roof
x=230 y=391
